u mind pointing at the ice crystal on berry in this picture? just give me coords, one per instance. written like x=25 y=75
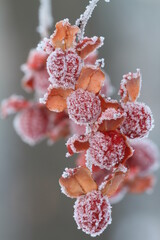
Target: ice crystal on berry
x=83 y=107
x=107 y=150
x=32 y=124
x=92 y=213
x=145 y=157
x=138 y=121
x=64 y=68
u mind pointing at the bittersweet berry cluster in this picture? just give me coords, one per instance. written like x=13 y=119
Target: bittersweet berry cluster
x=104 y=171
x=110 y=136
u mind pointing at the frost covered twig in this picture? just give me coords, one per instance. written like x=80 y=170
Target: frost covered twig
x=45 y=18
x=82 y=21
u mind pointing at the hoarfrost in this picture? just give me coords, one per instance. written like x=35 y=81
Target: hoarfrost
x=82 y=21
x=92 y=213
x=83 y=107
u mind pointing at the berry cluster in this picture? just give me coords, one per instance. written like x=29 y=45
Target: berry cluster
x=104 y=128
x=115 y=157
x=33 y=122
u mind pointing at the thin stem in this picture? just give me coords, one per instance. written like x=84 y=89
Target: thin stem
x=45 y=18
x=82 y=21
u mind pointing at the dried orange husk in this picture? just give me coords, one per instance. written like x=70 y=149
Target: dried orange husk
x=77 y=143
x=113 y=183
x=130 y=86
x=88 y=45
x=112 y=115
x=141 y=184
x=55 y=99
x=91 y=79
x=77 y=182
x=64 y=35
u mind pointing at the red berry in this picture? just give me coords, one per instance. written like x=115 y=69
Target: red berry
x=145 y=157
x=107 y=149
x=64 y=68
x=36 y=60
x=32 y=124
x=41 y=82
x=92 y=213
x=46 y=46
x=83 y=107
x=138 y=121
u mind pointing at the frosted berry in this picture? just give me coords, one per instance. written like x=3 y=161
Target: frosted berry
x=145 y=157
x=107 y=149
x=41 y=82
x=83 y=107
x=36 y=60
x=138 y=121
x=64 y=68
x=92 y=213
x=46 y=46
x=32 y=124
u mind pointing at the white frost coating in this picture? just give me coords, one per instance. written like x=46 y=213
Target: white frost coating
x=83 y=107
x=92 y=213
x=26 y=139
x=128 y=77
x=45 y=46
x=76 y=138
x=69 y=172
x=88 y=161
x=82 y=21
x=100 y=63
x=45 y=97
x=105 y=152
x=121 y=168
x=45 y=18
x=64 y=68
x=139 y=120
x=91 y=41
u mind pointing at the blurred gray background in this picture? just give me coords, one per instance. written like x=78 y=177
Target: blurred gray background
x=31 y=204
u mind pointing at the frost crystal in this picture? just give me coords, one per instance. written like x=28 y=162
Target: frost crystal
x=92 y=213
x=138 y=121
x=145 y=157
x=82 y=21
x=83 y=107
x=64 y=68
x=107 y=150
x=32 y=124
